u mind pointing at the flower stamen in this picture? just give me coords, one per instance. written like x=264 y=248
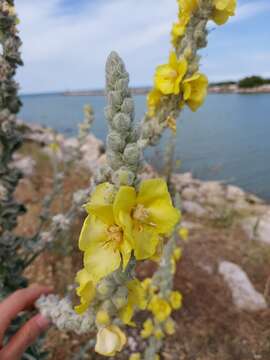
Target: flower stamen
x=140 y=213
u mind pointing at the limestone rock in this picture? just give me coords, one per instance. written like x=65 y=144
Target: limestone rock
x=91 y=150
x=193 y=208
x=233 y=193
x=190 y=225
x=245 y=297
x=189 y=193
x=24 y=163
x=210 y=189
x=258 y=228
x=182 y=181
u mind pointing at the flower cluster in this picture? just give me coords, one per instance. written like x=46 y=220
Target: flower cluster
x=223 y=9
x=162 y=301
x=179 y=82
x=121 y=223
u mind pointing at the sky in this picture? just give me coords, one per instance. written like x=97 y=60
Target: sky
x=66 y=42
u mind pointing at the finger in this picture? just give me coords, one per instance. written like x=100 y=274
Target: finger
x=18 y=301
x=24 y=338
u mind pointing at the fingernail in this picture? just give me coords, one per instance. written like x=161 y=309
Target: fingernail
x=42 y=322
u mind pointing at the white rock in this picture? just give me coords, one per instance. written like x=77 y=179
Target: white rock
x=181 y=181
x=91 y=150
x=258 y=228
x=210 y=189
x=71 y=142
x=245 y=297
x=193 y=208
x=253 y=199
x=40 y=135
x=24 y=163
x=190 y=225
x=233 y=193
x=241 y=205
x=189 y=193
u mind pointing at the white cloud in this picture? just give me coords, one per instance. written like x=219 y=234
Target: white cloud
x=248 y=10
x=65 y=49
x=68 y=50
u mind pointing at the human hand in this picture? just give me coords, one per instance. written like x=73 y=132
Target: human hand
x=9 y=309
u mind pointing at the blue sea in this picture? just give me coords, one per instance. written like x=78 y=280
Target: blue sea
x=227 y=139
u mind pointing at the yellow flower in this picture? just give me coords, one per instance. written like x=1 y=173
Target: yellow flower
x=171 y=123
x=148 y=329
x=173 y=266
x=223 y=9
x=195 y=90
x=187 y=6
x=135 y=356
x=178 y=30
x=102 y=238
x=146 y=283
x=160 y=308
x=183 y=233
x=110 y=340
x=158 y=333
x=102 y=318
x=145 y=215
x=175 y=300
x=169 y=326
x=136 y=299
x=169 y=76
x=153 y=101
x=54 y=147
x=86 y=290
x=177 y=253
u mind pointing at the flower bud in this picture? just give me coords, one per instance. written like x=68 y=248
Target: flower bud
x=109 y=113
x=133 y=136
x=119 y=299
x=105 y=288
x=115 y=99
x=109 y=307
x=114 y=160
x=128 y=106
x=102 y=318
x=169 y=326
x=132 y=154
x=158 y=333
x=122 y=84
x=121 y=123
x=123 y=176
x=188 y=52
x=115 y=141
x=110 y=340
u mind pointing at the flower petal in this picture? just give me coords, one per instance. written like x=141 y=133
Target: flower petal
x=152 y=190
x=145 y=242
x=164 y=216
x=125 y=249
x=93 y=231
x=124 y=202
x=100 y=203
x=101 y=260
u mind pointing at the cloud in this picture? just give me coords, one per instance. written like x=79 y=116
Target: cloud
x=66 y=42
x=63 y=49
x=249 y=10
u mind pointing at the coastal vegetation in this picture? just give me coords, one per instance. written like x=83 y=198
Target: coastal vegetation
x=102 y=218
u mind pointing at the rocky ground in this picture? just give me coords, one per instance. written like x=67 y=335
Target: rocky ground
x=224 y=274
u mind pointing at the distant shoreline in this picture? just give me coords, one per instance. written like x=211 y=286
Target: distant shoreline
x=213 y=89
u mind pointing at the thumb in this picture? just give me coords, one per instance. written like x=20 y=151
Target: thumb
x=24 y=338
